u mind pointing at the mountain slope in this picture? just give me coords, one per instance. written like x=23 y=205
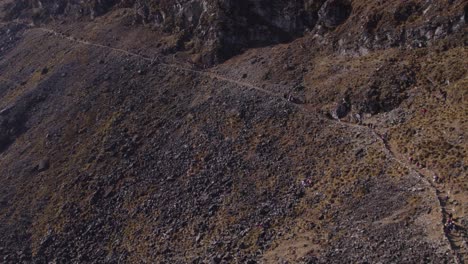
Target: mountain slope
x=115 y=147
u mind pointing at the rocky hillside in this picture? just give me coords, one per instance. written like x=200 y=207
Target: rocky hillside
x=213 y=31
x=157 y=131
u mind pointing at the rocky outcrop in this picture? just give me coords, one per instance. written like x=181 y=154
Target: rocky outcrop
x=407 y=24
x=384 y=94
x=220 y=29
x=217 y=29
x=250 y=23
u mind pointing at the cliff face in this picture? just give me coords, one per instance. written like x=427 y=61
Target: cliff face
x=220 y=29
x=208 y=132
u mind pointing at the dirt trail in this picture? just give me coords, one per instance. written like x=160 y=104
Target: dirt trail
x=455 y=245
x=458 y=242
x=153 y=60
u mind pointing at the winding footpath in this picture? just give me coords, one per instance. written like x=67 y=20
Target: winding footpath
x=209 y=74
x=455 y=246
x=392 y=154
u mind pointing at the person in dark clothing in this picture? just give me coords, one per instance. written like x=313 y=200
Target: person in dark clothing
x=450 y=224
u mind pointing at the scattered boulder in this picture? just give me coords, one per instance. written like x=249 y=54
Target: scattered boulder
x=343 y=109
x=44 y=71
x=43 y=165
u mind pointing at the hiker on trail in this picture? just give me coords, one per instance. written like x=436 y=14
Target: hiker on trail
x=358 y=119
x=446 y=198
x=306 y=182
x=450 y=225
x=444 y=94
x=384 y=137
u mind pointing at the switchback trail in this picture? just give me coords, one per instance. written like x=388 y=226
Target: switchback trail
x=390 y=153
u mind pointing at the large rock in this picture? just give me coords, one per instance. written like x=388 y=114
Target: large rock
x=342 y=109
x=43 y=165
